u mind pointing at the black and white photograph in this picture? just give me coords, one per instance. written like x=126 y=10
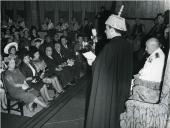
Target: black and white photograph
x=85 y=64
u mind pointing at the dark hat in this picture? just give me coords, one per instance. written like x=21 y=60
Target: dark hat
x=23 y=53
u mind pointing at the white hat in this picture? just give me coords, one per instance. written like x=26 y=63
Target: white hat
x=8 y=46
x=116 y=21
x=25 y=29
x=37 y=40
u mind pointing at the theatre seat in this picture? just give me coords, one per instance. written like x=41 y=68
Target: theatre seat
x=12 y=104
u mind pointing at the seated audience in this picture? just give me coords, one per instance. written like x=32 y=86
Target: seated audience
x=3 y=101
x=18 y=88
x=54 y=67
x=32 y=77
x=56 y=38
x=3 y=96
x=65 y=49
x=33 y=33
x=43 y=72
x=67 y=64
x=47 y=42
x=74 y=26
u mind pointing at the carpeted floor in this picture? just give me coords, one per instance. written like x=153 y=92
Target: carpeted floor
x=71 y=115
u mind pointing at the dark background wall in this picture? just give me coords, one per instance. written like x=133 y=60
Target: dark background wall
x=34 y=12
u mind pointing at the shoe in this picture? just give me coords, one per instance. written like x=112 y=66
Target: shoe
x=51 y=99
x=3 y=107
x=30 y=107
x=63 y=91
x=47 y=105
x=56 y=95
x=71 y=84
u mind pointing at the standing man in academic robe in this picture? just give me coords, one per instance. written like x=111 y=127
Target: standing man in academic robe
x=112 y=72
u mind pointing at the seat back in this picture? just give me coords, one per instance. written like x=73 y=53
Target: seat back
x=11 y=106
x=5 y=86
x=165 y=92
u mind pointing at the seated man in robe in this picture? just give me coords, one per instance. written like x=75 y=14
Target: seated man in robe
x=146 y=91
x=147 y=82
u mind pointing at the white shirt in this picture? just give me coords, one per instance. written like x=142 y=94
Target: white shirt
x=32 y=69
x=153 y=68
x=50 y=26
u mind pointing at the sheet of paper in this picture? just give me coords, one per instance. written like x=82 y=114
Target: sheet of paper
x=89 y=55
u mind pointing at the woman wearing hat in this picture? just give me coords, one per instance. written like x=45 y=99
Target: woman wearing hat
x=112 y=72
x=33 y=33
x=37 y=42
x=11 y=50
x=32 y=77
x=55 y=68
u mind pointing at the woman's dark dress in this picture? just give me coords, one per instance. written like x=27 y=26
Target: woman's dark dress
x=16 y=77
x=112 y=74
x=65 y=75
x=74 y=70
x=27 y=72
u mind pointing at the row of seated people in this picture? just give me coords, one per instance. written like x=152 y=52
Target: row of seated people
x=55 y=66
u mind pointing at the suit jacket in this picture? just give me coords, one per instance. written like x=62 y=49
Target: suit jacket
x=26 y=70
x=58 y=58
x=68 y=54
x=51 y=63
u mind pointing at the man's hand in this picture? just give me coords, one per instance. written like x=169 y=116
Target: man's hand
x=59 y=69
x=132 y=84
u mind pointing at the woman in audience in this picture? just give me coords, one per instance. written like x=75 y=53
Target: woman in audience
x=3 y=96
x=33 y=33
x=16 y=37
x=32 y=77
x=11 y=49
x=47 y=41
x=41 y=68
x=17 y=86
x=56 y=69
x=56 y=38
x=3 y=66
x=27 y=34
x=7 y=33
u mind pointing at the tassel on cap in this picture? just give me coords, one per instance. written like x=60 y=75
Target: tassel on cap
x=121 y=9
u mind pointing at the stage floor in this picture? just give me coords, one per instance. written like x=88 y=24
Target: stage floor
x=71 y=115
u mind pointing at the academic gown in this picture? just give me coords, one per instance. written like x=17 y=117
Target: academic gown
x=112 y=74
